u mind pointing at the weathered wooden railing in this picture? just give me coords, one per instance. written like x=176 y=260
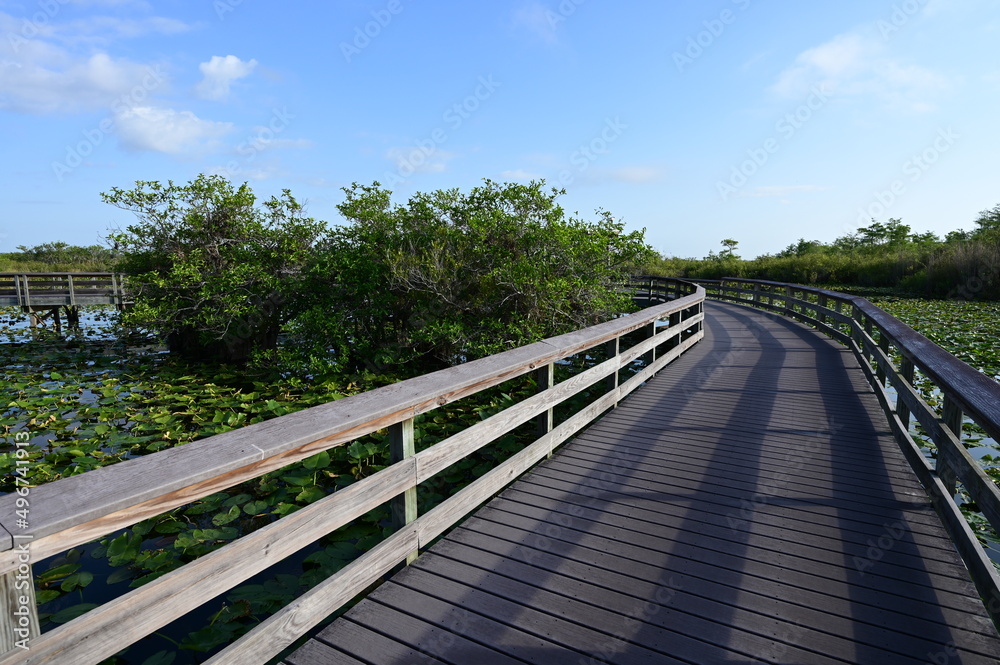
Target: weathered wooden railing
x=49 y=289
x=43 y=294
x=646 y=288
x=78 y=509
x=880 y=341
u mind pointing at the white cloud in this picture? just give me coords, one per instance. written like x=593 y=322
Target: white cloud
x=147 y=128
x=40 y=76
x=538 y=20
x=44 y=81
x=832 y=64
x=219 y=74
x=108 y=28
x=859 y=65
x=415 y=159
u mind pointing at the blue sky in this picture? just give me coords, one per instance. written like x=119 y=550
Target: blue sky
x=759 y=121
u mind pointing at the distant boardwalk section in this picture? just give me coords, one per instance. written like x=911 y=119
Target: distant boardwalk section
x=44 y=294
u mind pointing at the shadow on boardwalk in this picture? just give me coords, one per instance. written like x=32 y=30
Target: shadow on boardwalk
x=747 y=505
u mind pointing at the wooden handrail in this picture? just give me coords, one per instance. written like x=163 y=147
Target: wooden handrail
x=79 y=509
x=51 y=290
x=873 y=335
x=56 y=274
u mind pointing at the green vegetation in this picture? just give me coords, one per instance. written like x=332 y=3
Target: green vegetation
x=446 y=278
x=210 y=271
x=98 y=396
x=57 y=257
x=450 y=277
x=398 y=290
x=964 y=264
x=967 y=330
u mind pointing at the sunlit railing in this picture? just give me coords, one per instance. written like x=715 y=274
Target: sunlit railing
x=79 y=509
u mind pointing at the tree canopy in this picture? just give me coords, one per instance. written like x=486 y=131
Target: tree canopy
x=449 y=276
x=211 y=269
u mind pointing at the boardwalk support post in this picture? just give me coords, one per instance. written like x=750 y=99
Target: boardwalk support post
x=19 y=621
x=952 y=419
x=401 y=446
x=883 y=344
x=611 y=349
x=545 y=378
x=906 y=369
x=650 y=329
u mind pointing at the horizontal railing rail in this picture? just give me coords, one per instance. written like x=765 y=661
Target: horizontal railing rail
x=62 y=288
x=79 y=509
x=892 y=354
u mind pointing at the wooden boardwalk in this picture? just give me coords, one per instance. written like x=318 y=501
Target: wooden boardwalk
x=747 y=505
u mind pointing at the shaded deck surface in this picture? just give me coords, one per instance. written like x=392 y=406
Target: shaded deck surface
x=746 y=505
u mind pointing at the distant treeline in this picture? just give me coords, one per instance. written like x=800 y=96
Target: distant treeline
x=58 y=257
x=963 y=264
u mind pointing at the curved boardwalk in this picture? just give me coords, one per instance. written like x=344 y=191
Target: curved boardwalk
x=747 y=505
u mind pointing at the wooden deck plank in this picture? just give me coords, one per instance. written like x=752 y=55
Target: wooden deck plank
x=413 y=639
x=611 y=572
x=643 y=629
x=747 y=503
x=620 y=592
x=315 y=652
x=794 y=538
x=756 y=554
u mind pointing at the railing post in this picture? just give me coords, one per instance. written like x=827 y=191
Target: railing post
x=545 y=378
x=951 y=417
x=19 y=622
x=856 y=328
x=117 y=292
x=675 y=319
x=650 y=328
x=870 y=331
x=756 y=295
x=820 y=314
x=20 y=291
x=27 y=291
x=883 y=344
x=611 y=349
x=404 y=507
x=903 y=411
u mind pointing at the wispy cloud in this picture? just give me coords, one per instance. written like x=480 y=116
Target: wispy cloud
x=415 y=159
x=148 y=128
x=219 y=73
x=49 y=84
x=856 y=64
x=44 y=69
x=537 y=20
x=109 y=28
